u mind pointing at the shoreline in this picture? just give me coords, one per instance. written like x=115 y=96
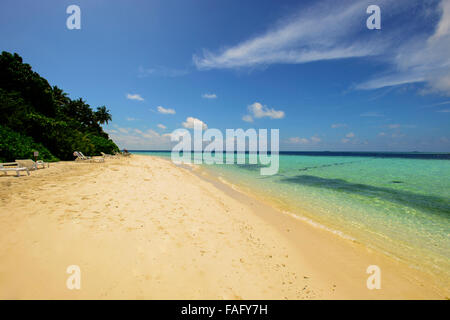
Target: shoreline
x=299 y=214
x=284 y=219
x=136 y=234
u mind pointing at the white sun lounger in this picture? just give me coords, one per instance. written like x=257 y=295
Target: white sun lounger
x=42 y=163
x=98 y=159
x=81 y=156
x=31 y=165
x=12 y=166
x=105 y=155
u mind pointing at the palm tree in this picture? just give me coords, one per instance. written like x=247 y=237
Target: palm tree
x=60 y=96
x=102 y=115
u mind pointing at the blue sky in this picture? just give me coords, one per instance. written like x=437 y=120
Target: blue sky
x=309 y=68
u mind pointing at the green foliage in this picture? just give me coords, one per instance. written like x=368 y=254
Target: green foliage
x=102 y=143
x=102 y=115
x=14 y=146
x=19 y=77
x=36 y=115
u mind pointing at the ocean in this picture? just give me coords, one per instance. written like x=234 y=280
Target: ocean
x=398 y=203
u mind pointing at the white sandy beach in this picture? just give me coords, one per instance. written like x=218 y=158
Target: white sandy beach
x=143 y=228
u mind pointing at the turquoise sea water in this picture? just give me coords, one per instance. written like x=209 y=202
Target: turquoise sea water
x=400 y=205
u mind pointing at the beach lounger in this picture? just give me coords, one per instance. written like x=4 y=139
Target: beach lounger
x=42 y=163
x=82 y=157
x=32 y=165
x=93 y=159
x=105 y=155
x=12 y=166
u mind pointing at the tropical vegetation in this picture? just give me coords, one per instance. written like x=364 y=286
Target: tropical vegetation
x=38 y=117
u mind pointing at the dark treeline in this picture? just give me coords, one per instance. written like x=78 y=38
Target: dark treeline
x=38 y=117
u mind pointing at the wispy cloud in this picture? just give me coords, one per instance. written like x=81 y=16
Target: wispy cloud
x=439 y=104
x=298 y=140
x=304 y=141
x=133 y=138
x=444 y=111
x=134 y=97
x=398 y=126
x=423 y=58
x=350 y=135
x=209 y=96
x=257 y=110
x=326 y=31
x=161 y=71
x=163 y=110
x=338 y=125
x=161 y=126
x=322 y=32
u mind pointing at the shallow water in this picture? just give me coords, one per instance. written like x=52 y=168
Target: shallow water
x=397 y=203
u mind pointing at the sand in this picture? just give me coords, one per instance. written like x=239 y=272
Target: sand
x=144 y=228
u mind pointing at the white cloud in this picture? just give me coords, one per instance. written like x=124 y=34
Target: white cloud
x=424 y=58
x=444 y=111
x=165 y=111
x=133 y=138
x=299 y=140
x=190 y=121
x=247 y=118
x=131 y=119
x=177 y=134
x=338 y=125
x=350 y=135
x=381 y=134
x=439 y=104
x=260 y=111
x=436 y=104
x=161 y=126
x=321 y=32
x=209 y=96
x=327 y=31
x=134 y=97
